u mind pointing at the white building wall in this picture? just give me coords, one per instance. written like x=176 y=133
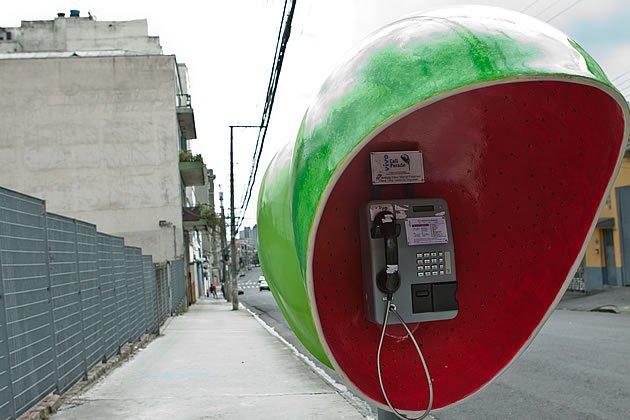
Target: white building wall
x=97 y=138
x=84 y=34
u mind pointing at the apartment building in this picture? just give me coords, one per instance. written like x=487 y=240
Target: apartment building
x=97 y=121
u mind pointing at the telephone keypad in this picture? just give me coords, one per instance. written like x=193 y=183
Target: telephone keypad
x=423 y=254
x=433 y=266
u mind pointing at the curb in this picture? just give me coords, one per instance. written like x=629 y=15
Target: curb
x=361 y=406
x=43 y=409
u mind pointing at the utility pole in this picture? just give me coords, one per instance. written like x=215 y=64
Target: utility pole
x=233 y=226
x=233 y=218
x=226 y=284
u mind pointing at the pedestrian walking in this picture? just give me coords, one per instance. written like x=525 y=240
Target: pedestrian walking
x=213 y=290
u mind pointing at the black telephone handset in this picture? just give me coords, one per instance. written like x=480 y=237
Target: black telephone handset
x=385 y=226
x=388 y=282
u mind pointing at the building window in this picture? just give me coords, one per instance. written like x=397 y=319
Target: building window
x=608 y=203
x=8 y=36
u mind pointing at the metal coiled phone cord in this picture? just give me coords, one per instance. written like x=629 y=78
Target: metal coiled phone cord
x=392 y=307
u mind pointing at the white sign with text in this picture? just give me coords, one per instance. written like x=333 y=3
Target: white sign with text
x=400 y=167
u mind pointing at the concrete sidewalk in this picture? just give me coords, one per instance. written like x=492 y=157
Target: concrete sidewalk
x=212 y=363
x=612 y=299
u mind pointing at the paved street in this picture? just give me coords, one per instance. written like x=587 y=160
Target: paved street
x=577 y=367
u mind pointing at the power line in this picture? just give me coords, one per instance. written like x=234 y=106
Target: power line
x=623 y=84
x=281 y=43
x=530 y=5
x=558 y=14
x=539 y=14
x=266 y=105
x=274 y=80
x=623 y=80
x=621 y=75
x=269 y=87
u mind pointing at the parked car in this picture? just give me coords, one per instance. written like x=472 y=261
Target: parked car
x=262 y=284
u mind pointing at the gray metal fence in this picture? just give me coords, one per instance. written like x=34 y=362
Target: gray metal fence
x=70 y=297
x=164 y=291
x=178 y=283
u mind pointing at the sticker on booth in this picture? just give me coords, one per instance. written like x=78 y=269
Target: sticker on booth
x=426 y=231
x=401 y=167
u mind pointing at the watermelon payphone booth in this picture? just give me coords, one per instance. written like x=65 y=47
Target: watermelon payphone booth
x=437 y=200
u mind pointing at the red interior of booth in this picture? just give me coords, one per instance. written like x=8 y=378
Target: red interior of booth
x=523 y=168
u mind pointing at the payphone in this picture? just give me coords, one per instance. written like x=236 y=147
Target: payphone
x=408 y=253
x=408 y=269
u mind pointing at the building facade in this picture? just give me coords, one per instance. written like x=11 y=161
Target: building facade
x=607 y=258
x=248 y=246
x=97 y=121
x=75 y=33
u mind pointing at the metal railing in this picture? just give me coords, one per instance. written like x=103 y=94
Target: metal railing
x=183 y=100
x=70 y=297
x=578 y=282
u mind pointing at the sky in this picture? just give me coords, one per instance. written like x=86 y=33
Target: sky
x=228 y=47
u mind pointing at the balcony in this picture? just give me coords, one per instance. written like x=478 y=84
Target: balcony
x=199 y=218
x=186 y=117
x=192 y=169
